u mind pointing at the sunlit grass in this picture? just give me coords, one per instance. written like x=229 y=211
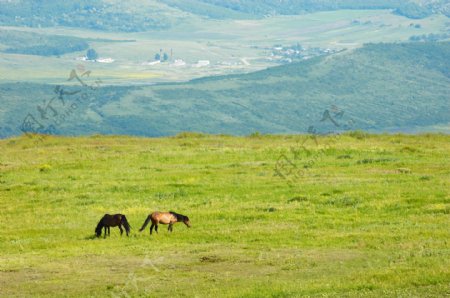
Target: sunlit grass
x=354 y=222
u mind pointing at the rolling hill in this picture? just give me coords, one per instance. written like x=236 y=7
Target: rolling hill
x=92 y=14
x=412 y=9
x=19 y=42
x=380 y=87
x=136 y=16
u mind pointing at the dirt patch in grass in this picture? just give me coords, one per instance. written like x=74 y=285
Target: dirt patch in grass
x=211 y=259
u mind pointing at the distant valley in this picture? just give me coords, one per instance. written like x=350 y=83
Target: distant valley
x=231 y=67
x=380 y=87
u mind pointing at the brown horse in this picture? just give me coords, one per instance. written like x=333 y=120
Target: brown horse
x=115 y=220
x=165 y=218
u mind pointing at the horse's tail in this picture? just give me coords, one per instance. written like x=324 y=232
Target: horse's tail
x=98 y=229
x=149 y=218
x=126 y=224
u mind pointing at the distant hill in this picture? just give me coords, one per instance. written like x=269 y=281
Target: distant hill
x=415 y=9
x=114 y=15
x=380 y=87
x=136 y=15
x=30 y=43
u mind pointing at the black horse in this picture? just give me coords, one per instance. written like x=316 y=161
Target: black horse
x=115 y=220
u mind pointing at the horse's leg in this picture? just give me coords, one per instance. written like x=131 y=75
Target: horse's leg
x=109 y=231
x=170 y=227
x=151 y=228
x=105 y=231
x=121 y=230
x=156 y=228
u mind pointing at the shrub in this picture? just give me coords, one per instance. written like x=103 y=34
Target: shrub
x=45 y=168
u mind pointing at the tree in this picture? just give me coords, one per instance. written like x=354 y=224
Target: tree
x=91 y=54
x=157 y=56
x=165 y=57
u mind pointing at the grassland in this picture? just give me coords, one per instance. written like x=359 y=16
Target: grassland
x=366 y=215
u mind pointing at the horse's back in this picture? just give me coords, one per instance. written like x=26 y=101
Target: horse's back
x=162 y=217
x=112 y=220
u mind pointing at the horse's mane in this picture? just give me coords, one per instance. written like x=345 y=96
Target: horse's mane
x=180 y=217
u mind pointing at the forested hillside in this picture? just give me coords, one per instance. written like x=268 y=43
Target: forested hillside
x=137 y=15
x=380 y=87
x=412 y=9
x=92 y=14
x=19 y=42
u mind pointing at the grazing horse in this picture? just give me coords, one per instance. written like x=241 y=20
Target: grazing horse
x=115 y=220
x=165 y=218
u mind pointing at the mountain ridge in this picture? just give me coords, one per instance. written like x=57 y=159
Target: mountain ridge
x=139 y=16
x=374 y=88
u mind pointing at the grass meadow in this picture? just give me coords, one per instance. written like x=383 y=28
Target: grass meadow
x=354 y=215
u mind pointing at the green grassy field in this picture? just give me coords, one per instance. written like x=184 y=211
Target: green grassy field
x=364 y=215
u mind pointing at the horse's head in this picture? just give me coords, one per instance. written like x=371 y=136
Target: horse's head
x=98 y=229
x=187 y=222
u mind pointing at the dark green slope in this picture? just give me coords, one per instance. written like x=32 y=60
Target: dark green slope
x=91 y=14
x=133 y=16
x=380 y=87
x=408 y=8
